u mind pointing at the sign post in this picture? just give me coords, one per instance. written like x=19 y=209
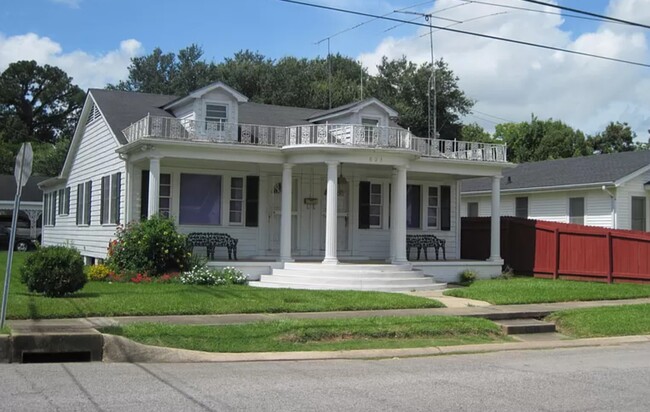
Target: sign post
x=22 y=171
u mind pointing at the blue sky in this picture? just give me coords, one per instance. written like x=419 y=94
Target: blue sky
x=221 y=27
x=94 y=40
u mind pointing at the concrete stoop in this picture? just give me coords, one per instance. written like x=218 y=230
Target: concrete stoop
x=370 y=277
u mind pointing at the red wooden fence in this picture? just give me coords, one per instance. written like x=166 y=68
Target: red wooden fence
x=560 y=250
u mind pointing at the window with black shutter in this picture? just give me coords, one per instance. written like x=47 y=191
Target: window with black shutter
x=252 y=200
x=364 y=205
x=445 y=207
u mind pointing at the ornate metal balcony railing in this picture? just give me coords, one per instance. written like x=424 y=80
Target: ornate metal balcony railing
x=170 y=128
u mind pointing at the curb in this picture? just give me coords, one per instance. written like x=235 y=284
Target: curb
x=5 y=348
x=120 y=349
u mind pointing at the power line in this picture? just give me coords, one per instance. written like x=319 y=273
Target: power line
x=470 y=20
x=486 y=36
x=539 y=11
x=588 y=13
x=493 y=116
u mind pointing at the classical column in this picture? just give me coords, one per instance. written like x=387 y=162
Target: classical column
x=331 y=215
x=285 y=217
x=154 y=186
x=399 y=224
x=393 y=216
x=495 y=238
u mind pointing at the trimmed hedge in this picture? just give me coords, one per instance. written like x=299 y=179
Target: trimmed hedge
x=54 y=271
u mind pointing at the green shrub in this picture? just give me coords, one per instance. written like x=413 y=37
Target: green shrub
x=151 y=247
x=202 y=275
x=53 y=271
x=97 y=272
x=467 y=277
x=234 y=276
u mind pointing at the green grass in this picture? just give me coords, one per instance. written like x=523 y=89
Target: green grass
x=5 y=330
x=531 y=290
x=122 y=299
x=604 y=321
x=322 y=334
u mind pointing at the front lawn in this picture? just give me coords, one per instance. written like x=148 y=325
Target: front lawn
x=314 y=335
x=129 y=299
x=531 y=290
x=5 y=330
x=604 y=321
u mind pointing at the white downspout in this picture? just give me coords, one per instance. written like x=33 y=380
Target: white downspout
x=613 y=199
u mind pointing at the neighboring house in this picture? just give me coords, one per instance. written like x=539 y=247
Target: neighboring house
x=608 y=190
x=289 y=183
x=31 y=205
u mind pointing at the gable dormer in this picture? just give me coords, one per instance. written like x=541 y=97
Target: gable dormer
x=370 y=112
x=216 y=102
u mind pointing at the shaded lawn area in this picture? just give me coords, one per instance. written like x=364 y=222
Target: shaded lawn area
x=5 y=330
x=129 y=299
x=531 y=290
x=604 y=321
x=321 y=334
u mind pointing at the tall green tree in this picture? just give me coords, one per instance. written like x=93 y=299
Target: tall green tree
x=37 y=103
x=541 y=140
x=475 y=133
x=404 y=85
x=617 y=137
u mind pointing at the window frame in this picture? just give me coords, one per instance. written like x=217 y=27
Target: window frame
x=519 y=208
x=644 y=212
x=241 y=201
x=219 y=121
x=110 y=198
x=379 y=205
x=220 y=200
x=417 y=213
x=469 y=208
x=84 y=202
x=370 y=130
x=436 y=207
x=577 y=219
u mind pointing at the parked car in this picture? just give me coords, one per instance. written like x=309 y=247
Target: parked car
x=22 y=243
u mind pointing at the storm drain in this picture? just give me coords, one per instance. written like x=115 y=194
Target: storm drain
x=56 y=357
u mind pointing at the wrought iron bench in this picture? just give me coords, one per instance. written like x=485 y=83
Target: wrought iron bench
x=423 y=242
x=211 y=240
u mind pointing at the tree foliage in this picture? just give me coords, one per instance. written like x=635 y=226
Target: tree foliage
x=37 y=103
x=617 y=137
x=302 y=82
x=41 y=105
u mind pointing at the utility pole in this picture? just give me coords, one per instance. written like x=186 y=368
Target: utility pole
x=431 y=85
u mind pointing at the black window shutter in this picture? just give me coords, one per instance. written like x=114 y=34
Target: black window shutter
x=364 y=205
x=103 y=200
x=144 y=198
x=53 y=222
x=88 y=194
x=445 y=207
x=80 y=202
x=118 y=197
x=252 y=200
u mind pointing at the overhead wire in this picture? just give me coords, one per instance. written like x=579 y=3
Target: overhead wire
x=469 y=33
x=588 y=13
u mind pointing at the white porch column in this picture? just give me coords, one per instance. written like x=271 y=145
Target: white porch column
x=154 y=186
x=495 y=238
x=399 y=224
x=393 y=216
x=285 y=216
x=331 y=215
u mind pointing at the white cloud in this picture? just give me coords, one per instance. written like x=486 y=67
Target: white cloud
x=512 y=81
x=73 y=4
x=87 y=70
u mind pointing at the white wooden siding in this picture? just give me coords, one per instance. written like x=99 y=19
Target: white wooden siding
x=94 y=159
x=550 y=206
x=624 y=194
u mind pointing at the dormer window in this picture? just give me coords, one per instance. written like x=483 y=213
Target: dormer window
x=369 y=129
x=216 y=115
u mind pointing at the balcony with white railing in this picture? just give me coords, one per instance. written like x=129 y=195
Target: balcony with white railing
x=348 y=135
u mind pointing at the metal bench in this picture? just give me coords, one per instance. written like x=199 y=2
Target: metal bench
x=211 y=240
x=423 y=242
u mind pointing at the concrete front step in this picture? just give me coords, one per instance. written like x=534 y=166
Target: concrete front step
x=396 y=288
x=343 y=267
x=352 y=281
x=347 y=274
x=523 y=326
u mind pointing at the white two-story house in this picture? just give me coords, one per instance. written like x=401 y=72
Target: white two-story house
x=291 y=184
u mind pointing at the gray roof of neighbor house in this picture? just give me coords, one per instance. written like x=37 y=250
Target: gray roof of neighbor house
x=121 y=109
x=594 y=169
x=31 y=192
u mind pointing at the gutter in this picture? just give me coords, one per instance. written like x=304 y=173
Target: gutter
x=543 y=188
x=613 y=198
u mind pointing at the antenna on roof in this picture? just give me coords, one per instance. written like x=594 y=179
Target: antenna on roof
x=329 y=70
x=361 y=70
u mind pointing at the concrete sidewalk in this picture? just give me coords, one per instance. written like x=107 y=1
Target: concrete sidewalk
x=120 y=349
x=493 y=312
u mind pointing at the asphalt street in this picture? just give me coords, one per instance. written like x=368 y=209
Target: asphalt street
x=581 y=379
